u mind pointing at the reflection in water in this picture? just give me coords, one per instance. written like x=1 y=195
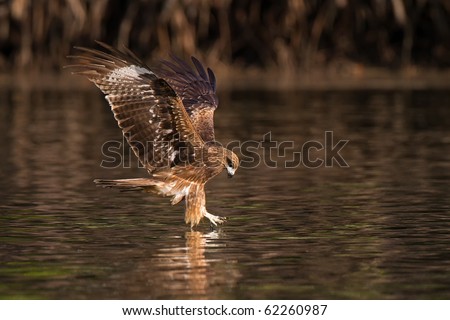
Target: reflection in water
x=379 y=229
x=187 y=271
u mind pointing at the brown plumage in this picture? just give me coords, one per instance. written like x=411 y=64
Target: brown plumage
x=166 y=116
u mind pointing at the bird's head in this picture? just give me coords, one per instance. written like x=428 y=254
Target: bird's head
x=231 y=162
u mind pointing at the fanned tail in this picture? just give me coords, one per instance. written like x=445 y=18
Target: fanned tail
x=139 y=184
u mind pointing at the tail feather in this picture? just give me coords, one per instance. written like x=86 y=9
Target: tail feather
x=139 y=184
x=152 y=185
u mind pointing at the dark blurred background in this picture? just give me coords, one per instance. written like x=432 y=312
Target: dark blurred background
x=375 y=73
x=283 y=35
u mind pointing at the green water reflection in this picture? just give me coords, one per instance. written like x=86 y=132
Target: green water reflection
x=376 y=230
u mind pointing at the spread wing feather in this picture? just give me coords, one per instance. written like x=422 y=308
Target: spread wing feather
x=147 y=109
x=197 y=90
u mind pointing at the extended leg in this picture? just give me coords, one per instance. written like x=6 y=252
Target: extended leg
x=215 y=220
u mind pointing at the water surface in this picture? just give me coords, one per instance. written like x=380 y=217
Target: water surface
x=378 y=229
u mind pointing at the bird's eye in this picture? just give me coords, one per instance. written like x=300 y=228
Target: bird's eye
x=229 y=162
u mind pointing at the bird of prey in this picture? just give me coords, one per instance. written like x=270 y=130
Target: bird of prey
x=166 y=115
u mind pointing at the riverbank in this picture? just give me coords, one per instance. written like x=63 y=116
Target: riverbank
x=330 y=79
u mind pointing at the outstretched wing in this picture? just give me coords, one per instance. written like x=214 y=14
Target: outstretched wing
x=149 y=112
x=197 y=90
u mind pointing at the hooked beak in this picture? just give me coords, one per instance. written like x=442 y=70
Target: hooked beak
x=230 y=172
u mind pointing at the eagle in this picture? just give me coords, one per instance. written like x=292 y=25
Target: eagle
x=166 y=115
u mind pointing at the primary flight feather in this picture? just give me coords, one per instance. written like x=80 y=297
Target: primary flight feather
x=166 y=115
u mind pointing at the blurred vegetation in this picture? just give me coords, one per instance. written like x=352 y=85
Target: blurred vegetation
x=287 y=35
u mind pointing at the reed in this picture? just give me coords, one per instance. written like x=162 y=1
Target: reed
x=290 y=35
